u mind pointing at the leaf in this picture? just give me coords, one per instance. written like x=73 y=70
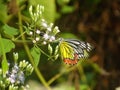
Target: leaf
x=67 y=9
x=10 y=31
x=8 y=45
x=35 y=52
x=4 y=65
x=3 y=51
x=3 y=12
x=68 y=35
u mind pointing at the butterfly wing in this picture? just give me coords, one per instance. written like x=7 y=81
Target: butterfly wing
x=80 y=47
x=66 y=50
x=72 y=50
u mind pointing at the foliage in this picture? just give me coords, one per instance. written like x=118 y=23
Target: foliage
x=29 y=27
x=14 y=76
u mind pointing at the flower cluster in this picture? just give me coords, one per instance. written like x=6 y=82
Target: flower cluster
x=38 y=12
x=16 y=75
x=44 y=32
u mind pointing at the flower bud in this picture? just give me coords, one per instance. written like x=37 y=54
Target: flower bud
x=23 y=64
x=30 y=10
x=56 y=50
x=29 y=69
x=50 y=49
x=7 y=81
x=56 y=56
x=56 y=30
x=15 y=56
x=0 y=71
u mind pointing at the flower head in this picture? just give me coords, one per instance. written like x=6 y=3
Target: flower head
x=45 y=32
x=45 y=36
x=52 y=38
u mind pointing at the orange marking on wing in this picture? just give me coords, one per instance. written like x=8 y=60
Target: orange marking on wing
x=71 y=61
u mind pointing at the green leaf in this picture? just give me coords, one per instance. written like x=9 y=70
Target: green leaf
x=35 y=52
x=84 y=87
x=67 y=9
x=8 y=45
x=3 y=12
x=3 y=51
x=62 y=2
x=4 y=65
x=10 y=31
x=68 y=35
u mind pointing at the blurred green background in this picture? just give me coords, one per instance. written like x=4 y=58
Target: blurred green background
x=94 y=21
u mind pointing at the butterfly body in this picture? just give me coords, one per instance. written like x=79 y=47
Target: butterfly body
x=72 y=50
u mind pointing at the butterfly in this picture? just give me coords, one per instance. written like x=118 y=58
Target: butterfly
x=72 y=50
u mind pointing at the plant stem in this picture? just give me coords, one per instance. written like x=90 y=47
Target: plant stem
x=60 y=74
x=81 y=71
x=39 y=74
x=20 y=36
x=43 y=51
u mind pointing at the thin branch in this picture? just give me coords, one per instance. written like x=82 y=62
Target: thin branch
x=60 y=74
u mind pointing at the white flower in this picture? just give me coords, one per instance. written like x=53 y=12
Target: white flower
x=44 y=24
x=12 y=78
x=49 y=29
x=51 y=24
x=43 y=20
x=34 y=41
x=27 y=86
x=38 y=31
x=52 y=38
x=56 y=27
x=31 y=33
x=45 y=36
x=37 y=38
x=44 y=42
x=1 y=71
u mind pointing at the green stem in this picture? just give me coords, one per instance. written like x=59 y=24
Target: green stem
x=29 y=54
x=43 y=51
x=21 y=41
x=81 y=71
x=60 y=74
x=3 y=89
x=50 y=57
x=19 y=36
